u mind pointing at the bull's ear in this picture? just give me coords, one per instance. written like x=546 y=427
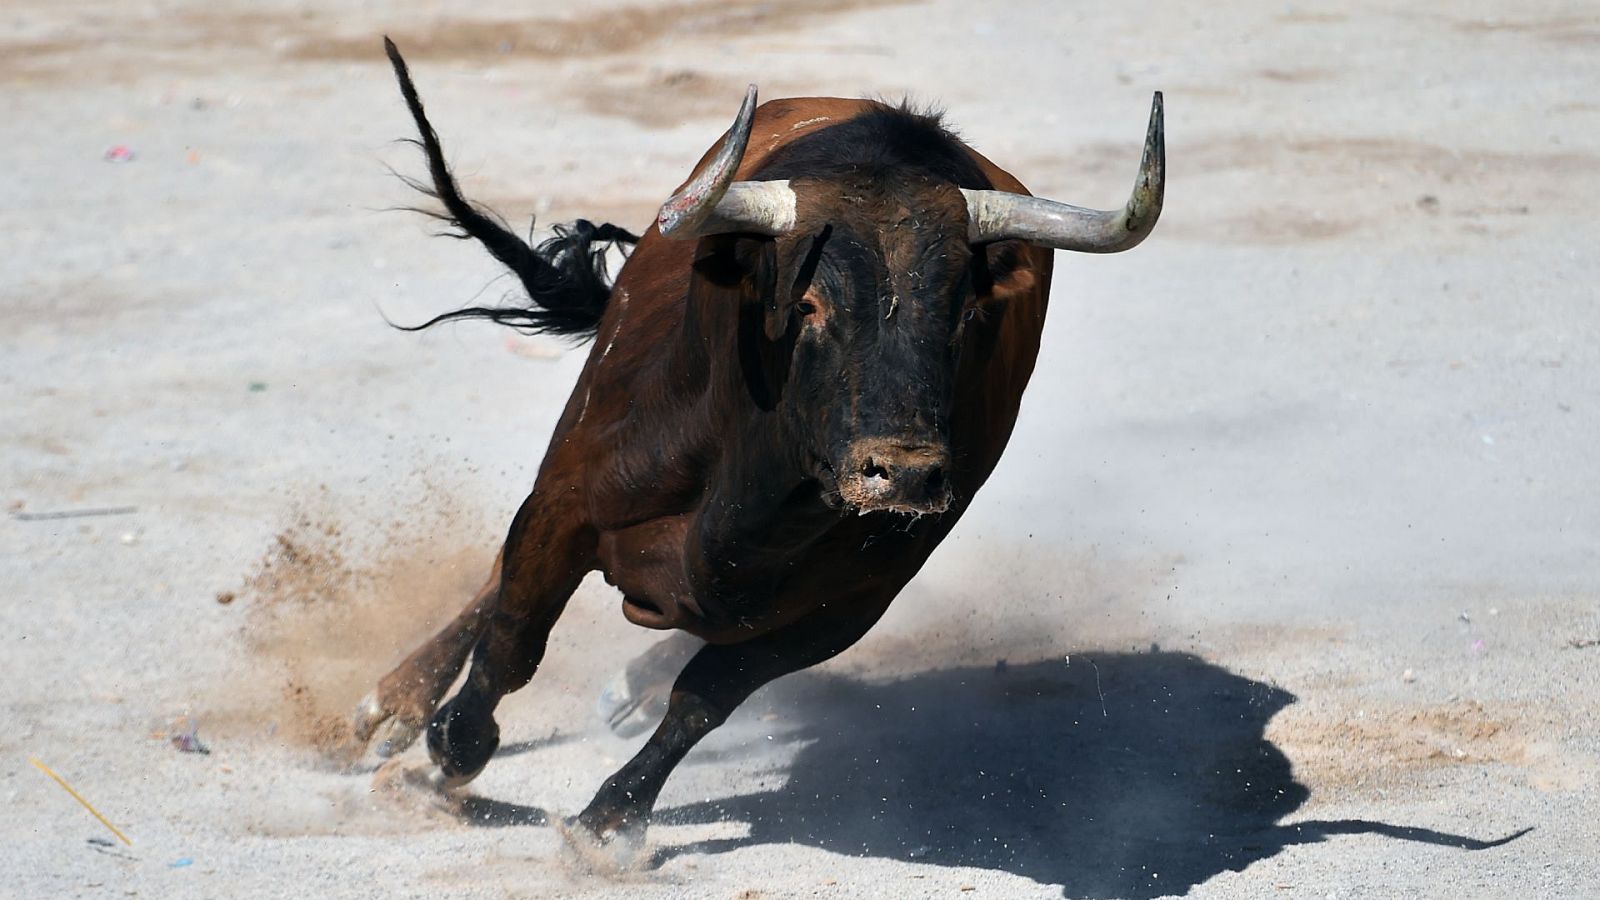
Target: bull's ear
x=730 y=271
x=791 y=281
x=735 y=276
x=1004 y=277
x=1004 y=270
x=719 y=274
x=766 y=328
x=775 y=317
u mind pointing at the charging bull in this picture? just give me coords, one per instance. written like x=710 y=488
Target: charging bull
x=801 y=377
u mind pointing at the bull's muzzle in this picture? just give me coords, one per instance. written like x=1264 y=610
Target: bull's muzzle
x=882 y=474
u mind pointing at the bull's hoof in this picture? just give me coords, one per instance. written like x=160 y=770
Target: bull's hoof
x=636 y=697
x=375 y=720
x=629 y=709
x=610 y=849
x=461 y=742
x=395 y=736
x=369 y=714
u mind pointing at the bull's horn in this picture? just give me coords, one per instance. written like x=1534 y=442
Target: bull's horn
x=999 y=215
x=713 y=203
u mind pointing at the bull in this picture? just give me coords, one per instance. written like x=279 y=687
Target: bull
x=801 y=377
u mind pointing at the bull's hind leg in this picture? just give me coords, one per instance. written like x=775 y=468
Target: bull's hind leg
x=546 y=555
x=637 y=695
x=712 y=685
x=408 y=695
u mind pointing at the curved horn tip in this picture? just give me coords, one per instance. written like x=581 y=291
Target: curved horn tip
x=684 y=212
x=1158 y=124
x=998 y=216
x=1154 y=163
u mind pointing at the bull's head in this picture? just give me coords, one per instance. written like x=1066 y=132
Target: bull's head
x=869 y=287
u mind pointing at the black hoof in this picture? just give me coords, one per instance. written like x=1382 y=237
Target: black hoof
x=461 y=741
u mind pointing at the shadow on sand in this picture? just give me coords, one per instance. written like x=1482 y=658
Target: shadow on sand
x=1113 y=775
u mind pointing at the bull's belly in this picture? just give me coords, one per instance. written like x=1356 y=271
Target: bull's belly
x=648 y=564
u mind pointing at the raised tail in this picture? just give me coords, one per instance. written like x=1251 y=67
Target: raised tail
x=565 y=277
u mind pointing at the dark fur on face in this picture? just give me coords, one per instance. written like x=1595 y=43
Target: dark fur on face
x=867 y=303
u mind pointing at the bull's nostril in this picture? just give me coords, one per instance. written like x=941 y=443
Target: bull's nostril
x=873 y=470
x=935 y=481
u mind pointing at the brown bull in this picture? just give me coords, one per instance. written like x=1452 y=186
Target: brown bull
x=800 y=379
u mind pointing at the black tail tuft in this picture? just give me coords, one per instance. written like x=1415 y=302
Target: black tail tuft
x=565 y=276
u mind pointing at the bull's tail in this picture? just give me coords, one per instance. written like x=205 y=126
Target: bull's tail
x=565 y=276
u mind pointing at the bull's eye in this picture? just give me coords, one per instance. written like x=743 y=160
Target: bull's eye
x=805 y=307
x=970 y=314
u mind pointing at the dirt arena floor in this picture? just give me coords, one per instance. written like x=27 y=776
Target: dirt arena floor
x=1289 y=585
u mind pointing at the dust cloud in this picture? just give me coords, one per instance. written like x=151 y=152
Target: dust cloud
x=333 y=602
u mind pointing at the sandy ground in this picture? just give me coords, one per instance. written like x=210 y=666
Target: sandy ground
x=1287 y=587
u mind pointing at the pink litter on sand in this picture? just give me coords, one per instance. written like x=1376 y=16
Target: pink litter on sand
x=120 y=153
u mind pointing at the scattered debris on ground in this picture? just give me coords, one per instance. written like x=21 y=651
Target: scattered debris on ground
x=74 y=513
x=184 y=735
x=79 y=797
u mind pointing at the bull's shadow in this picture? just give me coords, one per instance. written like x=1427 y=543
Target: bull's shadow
x=1113 y=775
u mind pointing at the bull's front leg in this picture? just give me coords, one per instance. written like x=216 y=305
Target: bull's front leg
x=406 y=697
x=547 y=552
x=711 y=686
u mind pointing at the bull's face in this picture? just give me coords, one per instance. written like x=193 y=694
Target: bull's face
x=877 y=284
x=866 y=289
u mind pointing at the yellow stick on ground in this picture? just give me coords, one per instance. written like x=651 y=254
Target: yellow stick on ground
x=79 y=797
